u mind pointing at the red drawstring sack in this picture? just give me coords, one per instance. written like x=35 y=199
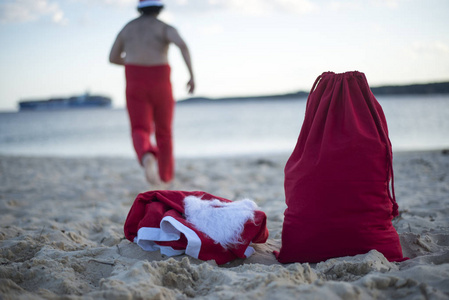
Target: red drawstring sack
x=337 y=180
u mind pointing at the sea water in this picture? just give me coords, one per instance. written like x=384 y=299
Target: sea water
x=212 y=129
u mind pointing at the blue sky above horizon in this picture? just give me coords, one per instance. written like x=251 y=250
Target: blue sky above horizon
x=56 y=48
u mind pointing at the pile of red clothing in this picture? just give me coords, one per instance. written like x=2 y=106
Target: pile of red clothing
x=198 y=224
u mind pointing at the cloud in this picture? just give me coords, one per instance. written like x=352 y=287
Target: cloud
x=20 y=11
x=120 y=3
x=344 y=5
x=212 y=30
x=388 y=3
x=340 y=5
x=434 y=48
x=246 y=7
x=297 y=6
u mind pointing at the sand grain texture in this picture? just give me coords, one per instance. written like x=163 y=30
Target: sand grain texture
x=62 y=236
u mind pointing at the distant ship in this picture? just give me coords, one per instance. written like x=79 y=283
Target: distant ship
x=83 y=101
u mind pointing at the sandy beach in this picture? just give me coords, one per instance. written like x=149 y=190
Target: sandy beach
x=62 y=234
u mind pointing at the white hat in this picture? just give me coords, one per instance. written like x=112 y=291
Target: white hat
x=146 y=3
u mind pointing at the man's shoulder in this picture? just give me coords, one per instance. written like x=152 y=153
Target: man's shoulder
x=139 y=20
x=128 y=26
x=162 y=23
x=133 y=22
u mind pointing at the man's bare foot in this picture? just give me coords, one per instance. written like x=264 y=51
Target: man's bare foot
x=166 y=185
x=150 y=165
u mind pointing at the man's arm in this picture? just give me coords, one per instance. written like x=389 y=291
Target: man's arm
x=115 y=56
x=174 y=37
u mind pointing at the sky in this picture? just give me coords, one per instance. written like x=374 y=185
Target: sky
x=60 y=48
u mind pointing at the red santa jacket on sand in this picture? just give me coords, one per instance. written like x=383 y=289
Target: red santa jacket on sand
x=195 y=223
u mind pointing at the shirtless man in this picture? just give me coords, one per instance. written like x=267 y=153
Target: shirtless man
x=142 y=47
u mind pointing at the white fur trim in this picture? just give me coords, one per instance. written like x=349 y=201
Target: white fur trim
x=165 y=250
x=147 y=3
x=221 y=221
x=170 y=230
x=156 y=234
x=193 y=240
x=147 y=235
x=249 y=251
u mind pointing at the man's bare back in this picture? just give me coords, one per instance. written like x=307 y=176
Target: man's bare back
x=145 y=41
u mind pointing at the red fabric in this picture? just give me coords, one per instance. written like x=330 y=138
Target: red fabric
x=150 y=106
x=337 y=178
x=151 y=207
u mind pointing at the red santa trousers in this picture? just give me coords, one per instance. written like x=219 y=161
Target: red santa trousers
x=337 y=180
x=150 y=104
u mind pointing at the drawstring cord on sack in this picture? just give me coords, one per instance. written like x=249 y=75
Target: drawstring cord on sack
x=313 y=89
x=316 y=83
x=395 y=212
x=390 y=173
